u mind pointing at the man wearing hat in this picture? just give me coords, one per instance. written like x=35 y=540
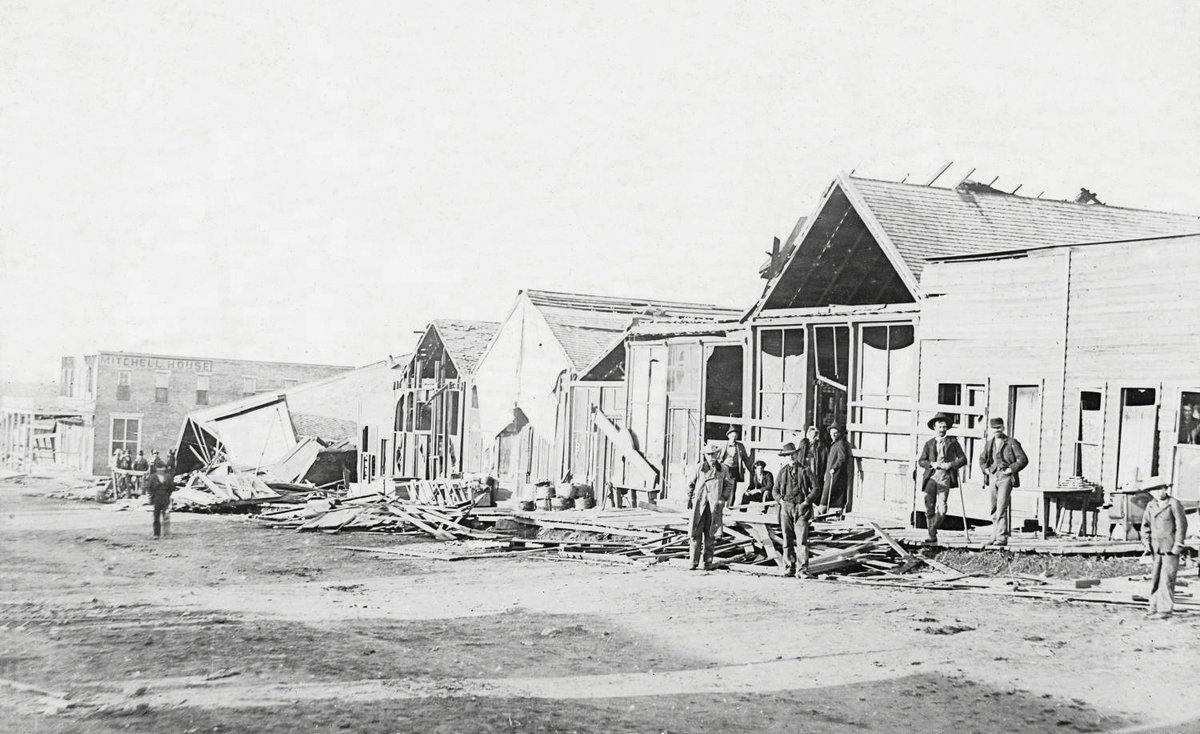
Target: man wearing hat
x=1002 y=460
x=838 y=462
x=1164 y=526
x=709 y=491
x=796 y=491
x=941 y=459
x=735 y=458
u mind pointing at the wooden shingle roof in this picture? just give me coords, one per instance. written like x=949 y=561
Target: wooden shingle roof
x=465 y=341
x=923 y=222
x=588 y=326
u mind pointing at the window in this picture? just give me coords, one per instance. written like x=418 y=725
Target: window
x=1087 y=438
x=452 y=408
x=1137 y=455
x=886 y=374
x=249 y=385
x=424 y=416
x=91 y=379
x=1189 y=417
x=202 y=388
x=162 y=386
x=970 y=424
x=123 y=386
x=126 y=434
x=782 y=379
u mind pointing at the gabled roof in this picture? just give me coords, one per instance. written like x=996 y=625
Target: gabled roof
x=588 y=327
x=465 y=341
x=912 y=223
x=925 y=222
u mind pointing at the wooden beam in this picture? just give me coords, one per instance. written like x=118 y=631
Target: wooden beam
x=850 y=252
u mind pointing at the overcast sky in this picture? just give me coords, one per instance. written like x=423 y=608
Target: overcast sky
x=313 y=181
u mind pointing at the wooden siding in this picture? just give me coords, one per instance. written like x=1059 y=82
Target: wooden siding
x=1134 y=323
x=1000 y=323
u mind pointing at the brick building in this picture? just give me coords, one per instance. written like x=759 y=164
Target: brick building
x=139 y=401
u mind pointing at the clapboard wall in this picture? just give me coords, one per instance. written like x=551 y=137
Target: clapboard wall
x=1097 y=317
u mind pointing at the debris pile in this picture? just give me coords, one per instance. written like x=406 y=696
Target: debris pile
x=219 y=487
x=377 y=513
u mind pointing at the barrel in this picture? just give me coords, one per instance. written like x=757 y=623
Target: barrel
x=543 y=492
x=528 y=506
x=562 y=503
x=585 y=503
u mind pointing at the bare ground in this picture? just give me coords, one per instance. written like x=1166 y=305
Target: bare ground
x=231 y=627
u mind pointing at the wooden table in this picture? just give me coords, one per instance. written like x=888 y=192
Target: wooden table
x=1057 y=495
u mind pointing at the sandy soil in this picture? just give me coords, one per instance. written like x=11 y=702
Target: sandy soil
x=231 y=627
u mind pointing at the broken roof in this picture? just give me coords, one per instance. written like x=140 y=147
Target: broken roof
x=912 y=223
x=465 y=341
x=924 y=222
x=588 y=327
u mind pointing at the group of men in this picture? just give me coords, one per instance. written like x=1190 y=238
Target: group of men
x=816 y=475
x=816 y=479
x=157 y=483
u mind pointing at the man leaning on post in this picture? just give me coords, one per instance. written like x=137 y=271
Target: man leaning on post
x=796 y=490
x=710 y=490
x=1002 y=460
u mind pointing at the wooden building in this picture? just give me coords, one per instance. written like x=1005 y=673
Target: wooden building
x=678 y=374
x=436 y=428
x=837 y=335
x=1090 y=352
x=534 y=409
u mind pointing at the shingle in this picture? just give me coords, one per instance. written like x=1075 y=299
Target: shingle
x=465 y=341
x=588 y=326
x=925 y=222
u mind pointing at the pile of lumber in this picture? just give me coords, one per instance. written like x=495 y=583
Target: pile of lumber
x=221 y=487
x=376 y=513
x=750 y=542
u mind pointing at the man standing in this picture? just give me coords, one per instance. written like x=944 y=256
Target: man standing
x=1164 y=526
x=813 y=455
x=1002 y=460
x=735 y=458
x=140 y=464
x=838 y=463
x=160 y=485
x=795 y=491
x=709 y=491
x=156 y=461
x=125 y=463
x=941 y=459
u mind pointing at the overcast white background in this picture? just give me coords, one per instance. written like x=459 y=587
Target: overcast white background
x=313 y=181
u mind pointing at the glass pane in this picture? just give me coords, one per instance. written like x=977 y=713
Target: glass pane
x=1189 y=417
x=771 y=360
x=132 y=427
x=793 y=410
x=873 y=374
x=683 y=374
x=903 y=372
x=795 y=368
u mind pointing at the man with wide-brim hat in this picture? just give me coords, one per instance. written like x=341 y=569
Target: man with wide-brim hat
x=839 y=463
x=709 y=491
x=735 y=458
x=796 y=492
x=1164 y=529
x=941 y=458
x=1001 y=459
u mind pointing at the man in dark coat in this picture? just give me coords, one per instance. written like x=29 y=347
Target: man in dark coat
x=812 y=456
x=140 y=464
x=125 y=481
x=1164 y=527
x=1001 y=460
x=160 y=485
x=762 y=485
x=838 y=464
x=710 y=490
x=736 y=459
x=941 y=459
x=796 y=493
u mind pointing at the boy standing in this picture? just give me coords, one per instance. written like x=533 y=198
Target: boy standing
x=1164 y=526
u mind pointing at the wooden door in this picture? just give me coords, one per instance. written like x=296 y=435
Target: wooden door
x=682 y=450
x=1135 y=442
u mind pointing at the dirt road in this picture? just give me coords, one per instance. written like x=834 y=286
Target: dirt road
x=230 y=627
